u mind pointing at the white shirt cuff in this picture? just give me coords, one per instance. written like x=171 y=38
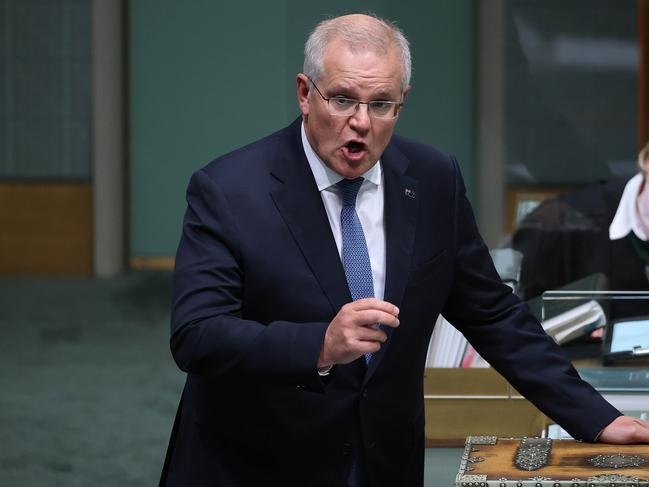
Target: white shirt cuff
x=324 y=371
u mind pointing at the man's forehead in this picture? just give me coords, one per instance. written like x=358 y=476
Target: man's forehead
x=342 y=63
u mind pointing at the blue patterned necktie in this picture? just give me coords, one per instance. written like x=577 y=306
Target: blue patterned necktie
x=356 y=259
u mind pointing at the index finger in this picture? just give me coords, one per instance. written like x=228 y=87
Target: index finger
x=372 y=317
x=375 y=304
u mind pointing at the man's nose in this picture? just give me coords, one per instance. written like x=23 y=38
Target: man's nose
x=360 y=120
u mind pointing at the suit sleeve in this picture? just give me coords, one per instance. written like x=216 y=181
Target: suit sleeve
x=208 y=334
x=504 y=332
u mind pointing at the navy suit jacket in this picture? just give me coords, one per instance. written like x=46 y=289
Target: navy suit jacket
x=258 y=279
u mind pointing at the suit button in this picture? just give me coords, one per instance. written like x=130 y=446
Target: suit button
x=364 y=393
x=371 y=445
x=347 y=448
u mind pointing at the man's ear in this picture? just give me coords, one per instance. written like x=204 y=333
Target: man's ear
x=303 y=93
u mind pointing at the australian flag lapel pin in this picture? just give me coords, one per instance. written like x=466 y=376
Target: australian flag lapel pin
x=410 y=193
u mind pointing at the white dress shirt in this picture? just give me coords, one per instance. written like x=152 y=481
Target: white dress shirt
x=369 y=206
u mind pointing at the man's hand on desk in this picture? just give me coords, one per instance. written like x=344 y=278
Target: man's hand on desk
x=351 y=334
x=625 y=429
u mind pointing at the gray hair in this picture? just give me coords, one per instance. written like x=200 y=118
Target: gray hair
x=378 y=35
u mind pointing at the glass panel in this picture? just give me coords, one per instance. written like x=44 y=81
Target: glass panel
x=579 y=319
x=570 y=104
x=45 y=89
x=570 y=91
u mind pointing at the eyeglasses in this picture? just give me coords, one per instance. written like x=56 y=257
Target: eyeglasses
x=339 y=106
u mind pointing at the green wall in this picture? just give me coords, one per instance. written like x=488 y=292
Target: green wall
x=206 y=77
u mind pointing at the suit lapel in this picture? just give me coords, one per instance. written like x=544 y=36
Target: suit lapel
x=298 y=200
x=401 y=206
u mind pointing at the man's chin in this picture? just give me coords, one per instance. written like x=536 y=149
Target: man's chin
x=350 y=168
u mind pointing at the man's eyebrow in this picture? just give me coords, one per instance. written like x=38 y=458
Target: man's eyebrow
x=339 y=90
x=382 y=95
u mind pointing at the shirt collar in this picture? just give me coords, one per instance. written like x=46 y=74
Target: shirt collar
x=326 y=177
x=626 y=216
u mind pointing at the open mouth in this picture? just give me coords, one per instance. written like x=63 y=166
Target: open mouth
x=355 y=147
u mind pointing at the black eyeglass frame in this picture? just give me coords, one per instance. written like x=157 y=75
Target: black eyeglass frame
x=396 y=105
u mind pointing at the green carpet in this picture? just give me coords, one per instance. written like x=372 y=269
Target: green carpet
x=88 y=388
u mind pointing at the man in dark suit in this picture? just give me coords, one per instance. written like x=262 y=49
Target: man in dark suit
x=304 y=297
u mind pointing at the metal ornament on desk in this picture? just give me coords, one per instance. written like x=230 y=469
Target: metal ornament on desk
x=615 y=478
x=482 y=440
x=617 y=460
x=533 y=453
x=465 y=478
x=480 y=465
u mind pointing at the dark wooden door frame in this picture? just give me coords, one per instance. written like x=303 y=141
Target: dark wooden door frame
x=643 y=73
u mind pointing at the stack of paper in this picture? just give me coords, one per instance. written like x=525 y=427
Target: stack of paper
x=449 y=348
